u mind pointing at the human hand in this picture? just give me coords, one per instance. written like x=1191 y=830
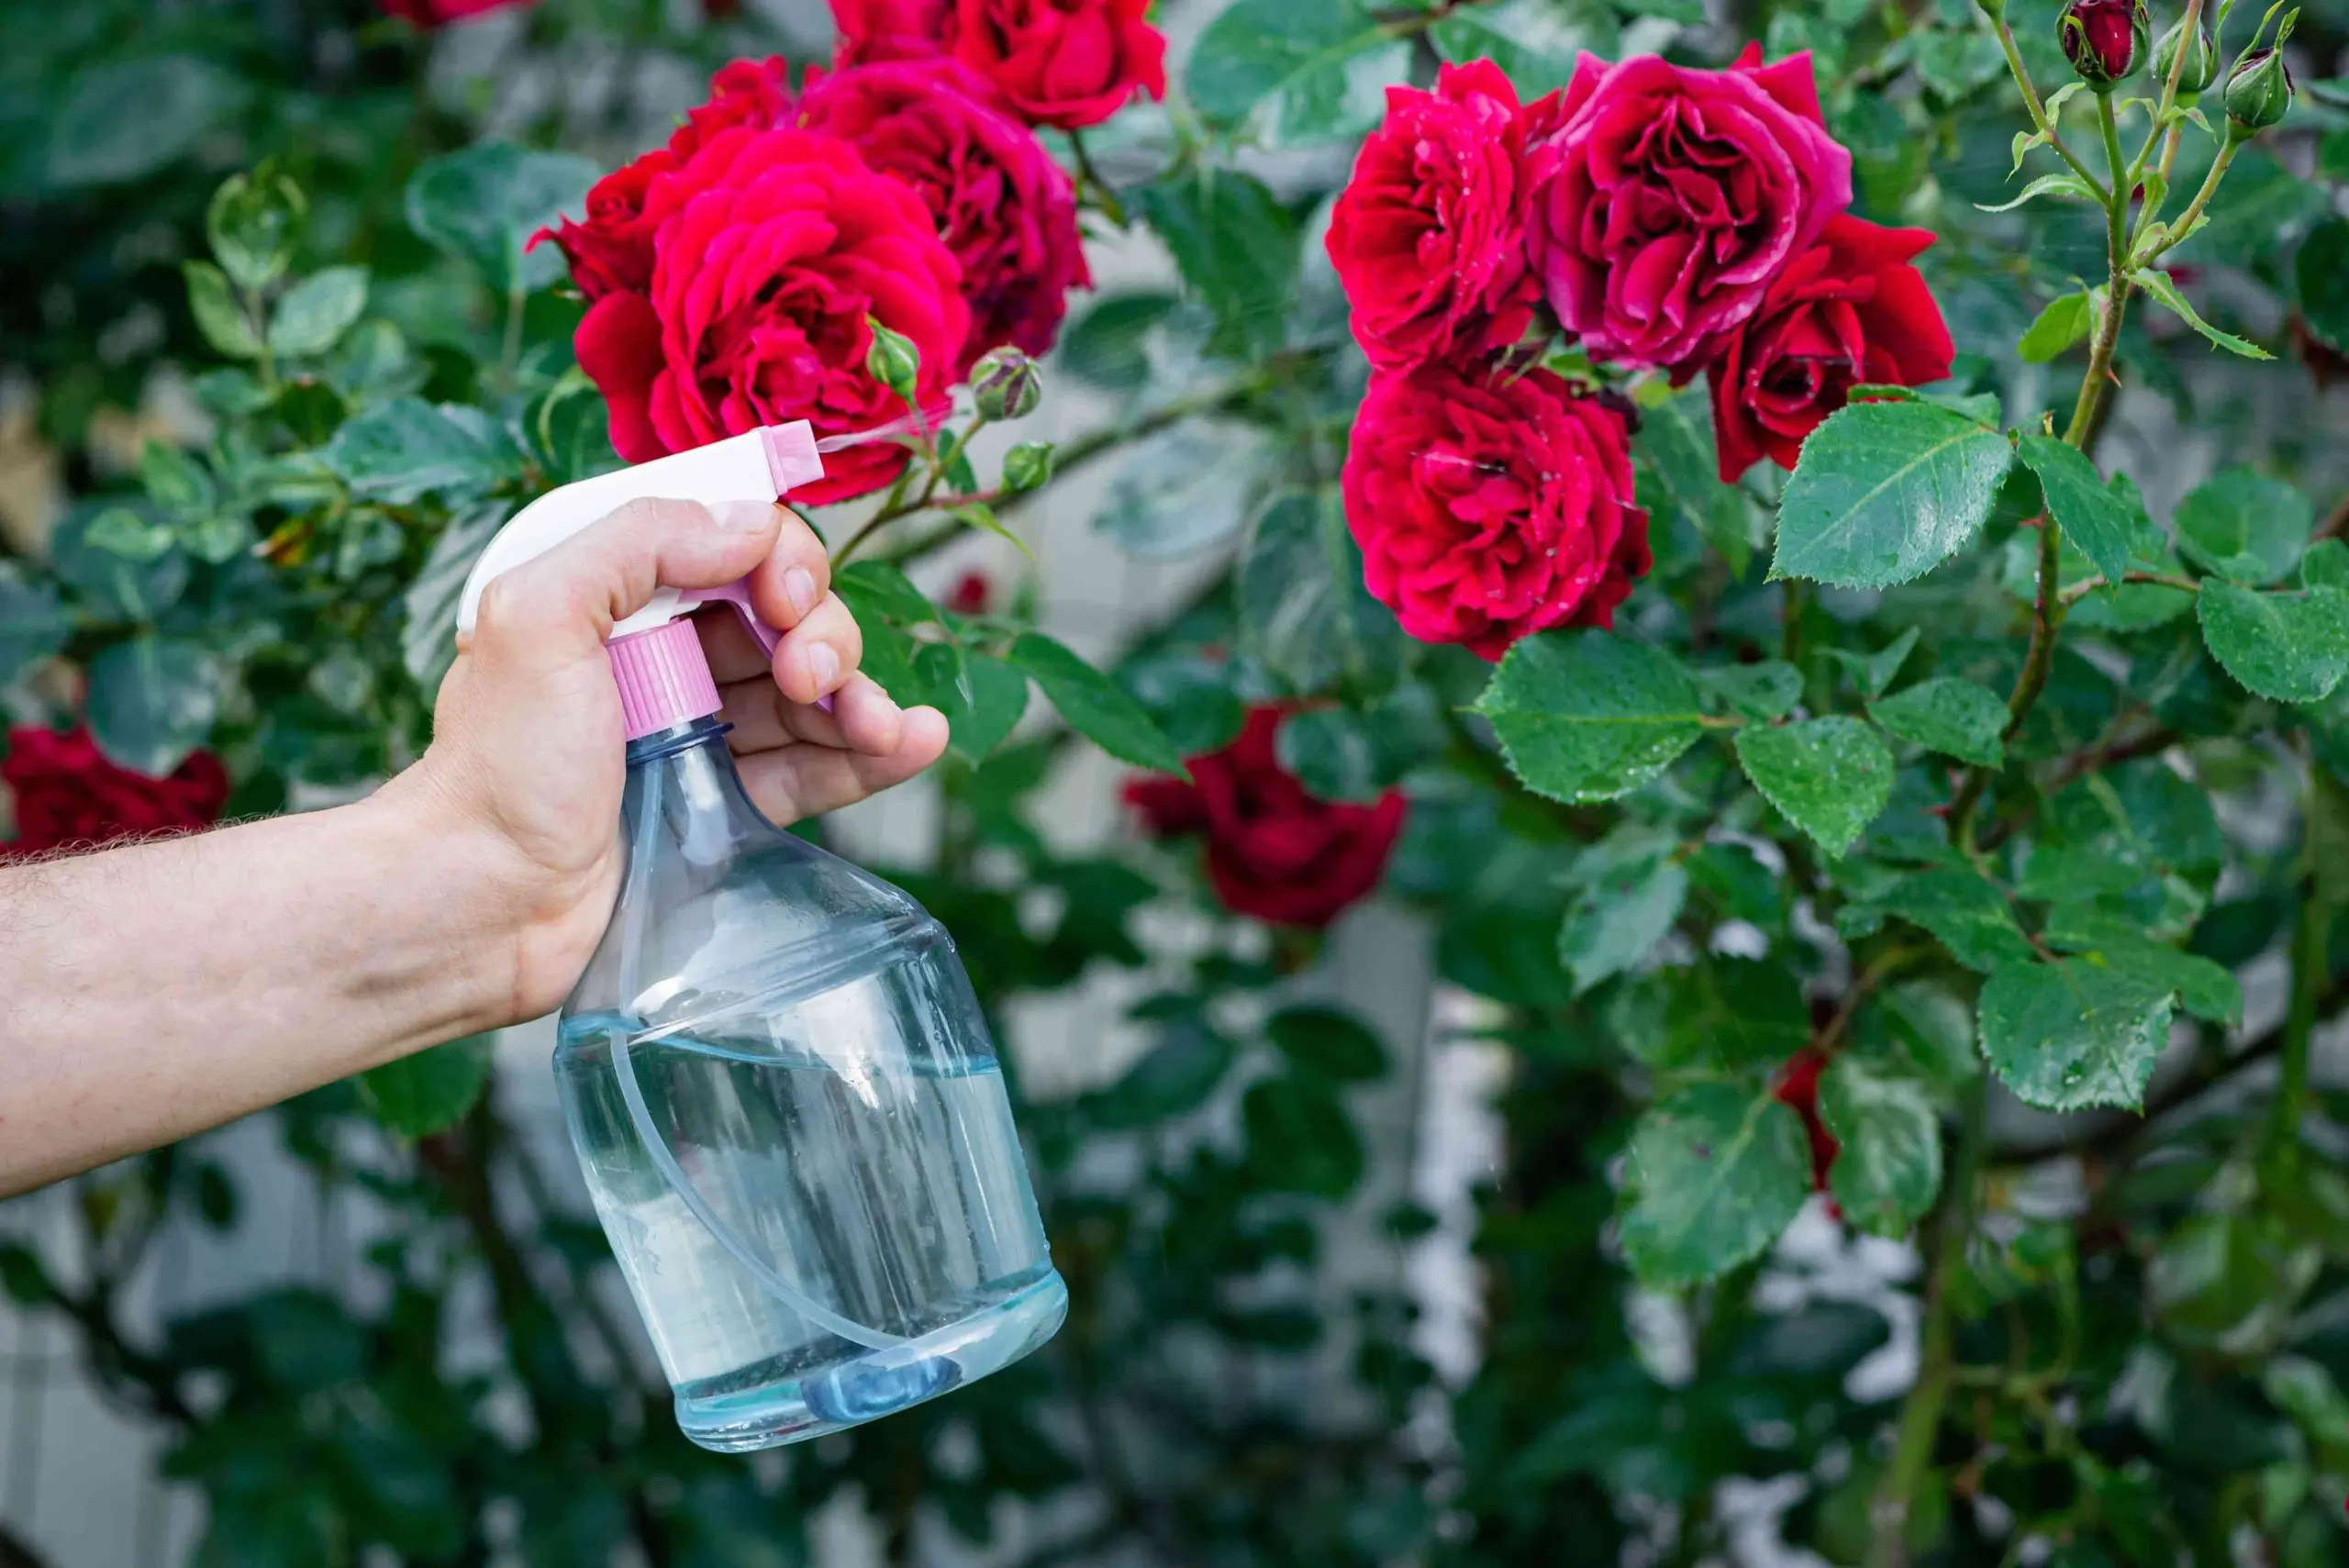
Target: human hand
x=527 y=747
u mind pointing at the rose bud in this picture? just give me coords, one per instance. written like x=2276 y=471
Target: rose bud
x=1005 y=385
x=2104 y=39
x=2259 y=90
x=2201 y=66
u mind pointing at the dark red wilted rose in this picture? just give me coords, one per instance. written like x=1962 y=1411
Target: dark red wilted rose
x=1666 y=199
x=1273 y=851
x=875 y=31
x=1489 y=507
x=2104 y=39
x=1005 y=209
x=431 y=14
x=1848 y=310
x=67 y=793
x=1069 y=63
x=770 y=248
x=1428 y=237
x=1797 y=1086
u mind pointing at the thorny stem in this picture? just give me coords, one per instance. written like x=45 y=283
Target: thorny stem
x=2089 y=410
x=2039 y=110
x=2169 y=101
x=2185 y=224
x=2046 y=625
x=1920 y=1417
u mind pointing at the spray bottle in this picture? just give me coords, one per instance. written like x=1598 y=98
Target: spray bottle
x=779 y=1083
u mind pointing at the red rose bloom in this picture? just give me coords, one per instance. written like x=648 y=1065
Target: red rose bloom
x=1063 y=63
x=1275 y=852
x=875 y=31
x=770 y=251
x=1666 y=199
x=431 y=14
x=1848 y=310
x=973 y=593
x=1798 y=1087
x=755 y=92
x=1005 y=209
x=1428 y=237
x=67 y=793
x=1491 y=507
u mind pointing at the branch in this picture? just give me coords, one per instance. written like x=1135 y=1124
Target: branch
x=2039 y=110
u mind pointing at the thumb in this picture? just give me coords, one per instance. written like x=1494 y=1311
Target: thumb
x=557 y=608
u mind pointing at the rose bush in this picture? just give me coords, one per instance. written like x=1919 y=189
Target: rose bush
x=67 y=793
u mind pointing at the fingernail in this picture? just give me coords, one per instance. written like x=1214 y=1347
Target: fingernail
x=799 y=587
x=824 y=663
x=742 y=516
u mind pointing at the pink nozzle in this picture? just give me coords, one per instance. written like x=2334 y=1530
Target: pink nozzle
x=792 y=458
x=663 y=678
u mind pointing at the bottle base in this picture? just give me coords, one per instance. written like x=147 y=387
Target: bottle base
x=873 y=1384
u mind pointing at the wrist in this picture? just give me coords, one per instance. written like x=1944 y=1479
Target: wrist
x=459 y=878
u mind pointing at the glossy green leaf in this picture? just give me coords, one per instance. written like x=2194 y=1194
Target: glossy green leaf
x=1589 y=716
x=994 y=701
x=2160 y=286
x=1720 y=1015
x=1295 y=73
x=1333 y=754
x=1888 y=1167
x=1094 y=706
x=1190 y=488
x=1766 y=691
x=1828 y=776
x=1957 y=718
x=1299 y=1138
x=1172 y=1078
x=1236 y=246
x=430 y=1091
x=407 y=448
x=2205 y=989
x=1715 y=1175
x=2245 y=526
x=2326 y=565
x=1872 y=672
x=1534 y=42
x=876 y=588
x=483 y=203
x=1304 y=613
x=151 y=701
x=1326 y=1041
x=252 y=224
x=2073 y=1034
x=218 y=315
x=2293 y=646
x=312 y=316
x=1633 y=889
x=1968 y=914
x=1885 y=492
x=1107 y=345
x=2090 y=515
x=2045 y=185
x=2063 y=323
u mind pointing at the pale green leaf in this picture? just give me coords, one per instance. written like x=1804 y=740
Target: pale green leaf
x=2158 y=285
x=1716 y=1174
x=1888 y=1167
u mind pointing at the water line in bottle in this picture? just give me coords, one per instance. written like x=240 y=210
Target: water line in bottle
x=641 y=1114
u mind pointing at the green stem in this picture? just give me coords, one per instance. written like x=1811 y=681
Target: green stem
x=2081 y=590
x=2311 y=964
x=1103 y=192
x=1920 y=1417
x=2039 y=110
x=2087 y=412
x=2185 y=224
x=2046 y=626
x=2168 y=101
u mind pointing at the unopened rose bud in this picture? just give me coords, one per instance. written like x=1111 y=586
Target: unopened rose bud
x=2259 y=90
x=2201 y=66
x=1028 y=465
x=1006 y=385
x=893 y=360
x=2104 y=39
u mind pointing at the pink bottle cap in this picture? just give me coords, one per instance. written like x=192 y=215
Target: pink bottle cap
x=663 y=678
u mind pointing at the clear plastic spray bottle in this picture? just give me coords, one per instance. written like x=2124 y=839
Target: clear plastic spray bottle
x=775 y=1075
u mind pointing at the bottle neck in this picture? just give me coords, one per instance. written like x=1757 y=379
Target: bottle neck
x=683 y=788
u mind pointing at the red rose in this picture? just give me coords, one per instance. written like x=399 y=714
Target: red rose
x=1848 y=310
x=1428 y=237
x=1490 y=508
x=431 y=14
x=1666 y=199
x=1063 y=63
x=1275 y=852
x=67 y=793
x=973 y=593
x=770 y=251
x=1798 y=1087
x=875 y=31
x=1003 y=206
x=613 y=247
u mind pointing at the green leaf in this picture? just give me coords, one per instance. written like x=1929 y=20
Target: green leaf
x=1333 y=754
x=1094 y=706
x=428 y=631
x=1304 y=613
x=2046 y=185
x=118 y=530
x=1236 y=246
x=252 y=223
x=1715 y=1175
x=2158 y=285
x=1172 y=1078
x=1720 y=1015
x=33 y=624
x=151 y=701
x=2322 y=271
x=1766 y=691
x=2205 y=989
x=2293 y=646
x=483 y=203
x=1633 y=889
x=2244 y=526
x=876 y=588
x=1296 y=73
x=2326 y=565
x=1327 y=1042
x=2073 y=1034
x=1534 y=41
x=402 y=451
x=1872 y=672
x=1589 y=716
x=2090 y=515
x=1828 y=776
x=1932 y=1030
x=218 y=315
x=2230 y=1282
x=1184 y=489
x=176 y=481
x=1957 y=718
x=430 y=1091
x=1888 y=1167
x=123 y=119
x=1108 y=346
x=993 y=704
x=1966 y=912
x=1674 y=440
x=1299 y=1138
x=2062 y=324
x=1885 y=492
x=313 y=315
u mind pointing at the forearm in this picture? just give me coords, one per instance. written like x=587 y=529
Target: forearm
x=153 y=991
